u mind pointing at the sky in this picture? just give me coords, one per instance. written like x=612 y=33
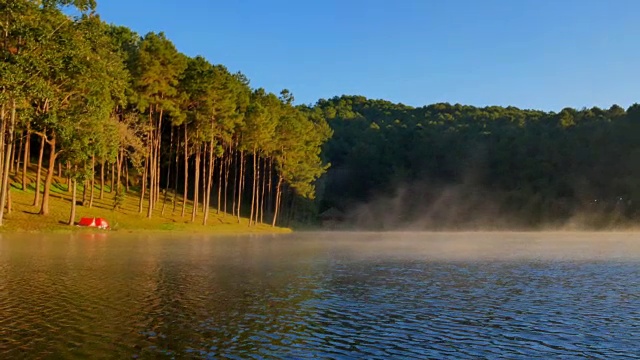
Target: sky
x=534 y=54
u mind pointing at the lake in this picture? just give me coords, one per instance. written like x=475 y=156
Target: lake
x=326 y=295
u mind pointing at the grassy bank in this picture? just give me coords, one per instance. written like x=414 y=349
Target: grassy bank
x=127 y=218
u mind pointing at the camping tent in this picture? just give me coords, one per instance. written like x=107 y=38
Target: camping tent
x=102 y=223
x=94 y=222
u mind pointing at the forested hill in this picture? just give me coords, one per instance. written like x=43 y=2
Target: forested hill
x=444 y=166
x=99 y=105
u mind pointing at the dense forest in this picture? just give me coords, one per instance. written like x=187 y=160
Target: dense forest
x=456 y=166
x=115 y=111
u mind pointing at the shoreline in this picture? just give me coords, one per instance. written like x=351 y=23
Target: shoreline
x=128 y=218
x=83 y=230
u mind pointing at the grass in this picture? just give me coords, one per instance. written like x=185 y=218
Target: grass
x=24 y=216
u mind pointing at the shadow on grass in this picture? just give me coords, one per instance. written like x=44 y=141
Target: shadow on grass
x=59 y=187
x=101 y=206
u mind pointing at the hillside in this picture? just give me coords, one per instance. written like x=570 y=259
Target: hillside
x=95 y=97
x=25 y=218
x=459 y=166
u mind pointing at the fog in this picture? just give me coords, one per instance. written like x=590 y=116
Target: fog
x=468 y=207
x=363 y=245
x=475 y=246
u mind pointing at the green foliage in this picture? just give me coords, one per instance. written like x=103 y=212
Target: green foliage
x=301 y=134
x=530 y=167
x=100 y=94
x=157 y=67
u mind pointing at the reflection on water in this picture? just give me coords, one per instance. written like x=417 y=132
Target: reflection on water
x=330 y=295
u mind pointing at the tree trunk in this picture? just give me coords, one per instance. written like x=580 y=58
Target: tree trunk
x=277 y=202
x=143 y=187
x=220 y=172
x=126 y=174
x=68 y=177
x=253 y=188
x=36 y=199
x=102 y=179
x=85 y=187
x=7 y=160
x=113 y=175
x=234 y=196
x=263 y=191
x=240 y=184
x=19 y=152
x=209 y=183
x=59 y=169
x=25 y=160
x=15 y=155
x=158 y=152
x=72 y=216
x=186 y=171
x=92 y=182
x=270 y=185
x=119 y=161
x=3 y=130
x=194 y=210
x=203 y=173
x=175 y=180
x=44 y=209
x=166 y=186
x=28 y=157
x=227 y=168
x=205 y=181
x=152 y=171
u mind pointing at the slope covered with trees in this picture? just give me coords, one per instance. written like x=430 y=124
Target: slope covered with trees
x=112 y=110
x=447 y=166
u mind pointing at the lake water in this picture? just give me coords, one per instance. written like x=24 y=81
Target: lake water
x=326 y=295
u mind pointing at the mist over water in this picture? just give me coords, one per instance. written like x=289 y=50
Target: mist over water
x=330 y=295
x=470 y=207
x=487 y=246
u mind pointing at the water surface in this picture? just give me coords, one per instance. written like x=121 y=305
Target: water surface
x=327 y=295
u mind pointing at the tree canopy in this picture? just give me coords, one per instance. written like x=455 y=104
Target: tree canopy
x=105 y=99
x=95 y=101
x=447 y=165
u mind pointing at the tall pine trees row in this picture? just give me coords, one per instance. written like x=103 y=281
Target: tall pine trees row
x=98 y=103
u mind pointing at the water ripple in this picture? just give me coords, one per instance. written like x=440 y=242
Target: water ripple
x=285 y=299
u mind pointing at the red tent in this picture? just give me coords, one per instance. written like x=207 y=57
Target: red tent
x=101 y=223
x=87 y=222
x=94 y=222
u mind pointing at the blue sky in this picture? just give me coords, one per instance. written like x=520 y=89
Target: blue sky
x=542 y=54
